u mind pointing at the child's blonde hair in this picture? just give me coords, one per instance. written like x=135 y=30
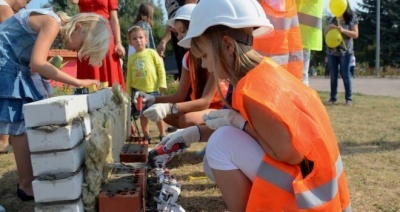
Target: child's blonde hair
x=145 y=10
x=136 y=28
x=95 y=31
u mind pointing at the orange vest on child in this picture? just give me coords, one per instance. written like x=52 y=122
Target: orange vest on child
x=280 y=186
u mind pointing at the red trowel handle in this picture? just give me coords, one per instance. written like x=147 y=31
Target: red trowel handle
x=139 y=105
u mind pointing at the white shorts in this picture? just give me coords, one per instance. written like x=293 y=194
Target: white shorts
x=230 y=148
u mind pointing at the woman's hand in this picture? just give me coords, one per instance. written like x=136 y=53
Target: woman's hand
x=87 y=82
x=161 y=49
x=119 y=50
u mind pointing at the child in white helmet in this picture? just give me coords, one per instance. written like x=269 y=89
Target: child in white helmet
x=175 y=109
x=259 y=156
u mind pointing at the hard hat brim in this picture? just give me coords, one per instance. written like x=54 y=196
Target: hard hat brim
x=261 y=30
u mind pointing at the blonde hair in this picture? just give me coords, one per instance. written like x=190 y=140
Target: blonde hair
x=95 y=31
x=136 y=28
x=244 y=57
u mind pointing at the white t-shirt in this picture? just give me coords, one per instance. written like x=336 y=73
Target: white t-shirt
x=4 y=3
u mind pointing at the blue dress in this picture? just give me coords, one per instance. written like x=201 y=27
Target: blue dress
x=17 y=88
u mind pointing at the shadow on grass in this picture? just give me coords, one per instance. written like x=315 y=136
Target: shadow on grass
x=187 y=157
x=8 y=196
x=351 y=148
x=202 y=203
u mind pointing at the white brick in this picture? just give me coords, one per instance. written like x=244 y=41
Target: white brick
x=73 y=206
x=55 y=110
x=58 y=188
x=86 y=125
x=53 y=162
x=99 y=99
x=63 y=137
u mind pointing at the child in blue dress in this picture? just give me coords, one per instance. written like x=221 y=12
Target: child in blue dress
x=25 y=40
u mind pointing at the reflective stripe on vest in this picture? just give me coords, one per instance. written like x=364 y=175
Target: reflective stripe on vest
x=284 y=23
x=284 y=43
x=294 y=56
x=310 y=18
x=308 y=199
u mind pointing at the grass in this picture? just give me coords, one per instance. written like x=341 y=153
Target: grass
x=369 y=139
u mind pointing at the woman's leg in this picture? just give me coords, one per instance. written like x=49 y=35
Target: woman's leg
x=144 y=123
x=161 y=128
x=3 y=143
x=345 y=72
x=333 y=62
x=23 y=161
x=234 y=158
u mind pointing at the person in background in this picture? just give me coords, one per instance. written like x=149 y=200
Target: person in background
x=172 y=6
x=146 y=74
x=352 y=65
x=36 y=30
x=339 y=58
x=111 y=70
x=144 y=19
x=310 y=19
x=284 y=45
x=174 y=109
x=259 y=157
x=7 y=9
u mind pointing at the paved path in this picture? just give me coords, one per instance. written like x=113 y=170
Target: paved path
x=363 y=85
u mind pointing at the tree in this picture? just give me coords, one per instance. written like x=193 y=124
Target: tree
x=63 y=5
x=389 y=26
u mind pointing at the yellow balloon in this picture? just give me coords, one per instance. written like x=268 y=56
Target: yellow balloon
x=333 y=38
x=338 y=7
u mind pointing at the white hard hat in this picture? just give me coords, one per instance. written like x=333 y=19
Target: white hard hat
x=183 y=13
x=232 y=13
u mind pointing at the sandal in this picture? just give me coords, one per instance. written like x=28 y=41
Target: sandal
x=22 y=195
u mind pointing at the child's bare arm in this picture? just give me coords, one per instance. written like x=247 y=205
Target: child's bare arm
x=48 y=28
x=74 y=1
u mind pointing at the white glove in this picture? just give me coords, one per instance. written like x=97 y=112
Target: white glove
x=224 y=117
x=158 y=112
x=186 y=136
x=148 y=99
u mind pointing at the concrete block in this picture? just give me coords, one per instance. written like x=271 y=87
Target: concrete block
x=53 y=162
x=70 y=206
x=58 y=187
x=55 y=137
x=99 y=99
x=55 y=110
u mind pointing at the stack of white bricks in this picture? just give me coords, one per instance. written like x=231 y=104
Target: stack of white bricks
x=57 y=131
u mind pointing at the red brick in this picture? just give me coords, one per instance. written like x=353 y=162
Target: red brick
x=138 y=140
x=132 y=152
x=124 y=190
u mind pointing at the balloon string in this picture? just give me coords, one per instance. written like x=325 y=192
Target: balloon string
x=344 y=44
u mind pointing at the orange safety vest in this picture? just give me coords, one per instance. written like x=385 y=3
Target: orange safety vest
x=279 y=186
x=284 y=43
x=216 y=102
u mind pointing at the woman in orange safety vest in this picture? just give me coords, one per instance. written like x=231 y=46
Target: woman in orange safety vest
x=258 y=155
